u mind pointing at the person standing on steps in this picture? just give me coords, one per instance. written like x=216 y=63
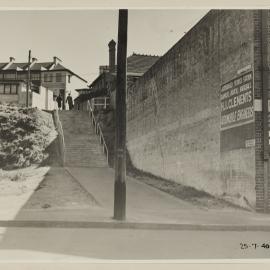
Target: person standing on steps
x=69 y=101
x=59 y=101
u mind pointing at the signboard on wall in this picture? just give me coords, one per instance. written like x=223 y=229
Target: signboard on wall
x=236 y=98
x=237 y=113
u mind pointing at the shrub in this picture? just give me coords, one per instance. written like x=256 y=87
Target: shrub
x=23 y=136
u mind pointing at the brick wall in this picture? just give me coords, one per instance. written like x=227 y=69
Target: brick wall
x=258 y=95
x=236 y=52
x=174 y=109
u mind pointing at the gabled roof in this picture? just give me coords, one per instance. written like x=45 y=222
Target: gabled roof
x=24 y=66
x=2 y=65
x=16 y=66
x=105 y=75
x=42 y=66
x=137 y=65
x=140 y=63
x=60 y=67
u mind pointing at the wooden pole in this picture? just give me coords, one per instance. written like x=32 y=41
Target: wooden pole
x=28 y=80
x=120 y=141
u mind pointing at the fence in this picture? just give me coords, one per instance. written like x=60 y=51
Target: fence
x=60 y=136
x=98 y=130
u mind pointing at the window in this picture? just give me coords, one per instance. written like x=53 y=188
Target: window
x=47 y=77
x=14 y=89
x=9 y=89
x=10 y=76
x=58 y=77
x=35 y=76
x=22 y=76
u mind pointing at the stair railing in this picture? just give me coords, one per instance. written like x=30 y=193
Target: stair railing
x=60 y=136
x=98 y=130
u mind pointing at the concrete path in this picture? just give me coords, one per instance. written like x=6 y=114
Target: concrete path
x=147 y=204
x=146 y=207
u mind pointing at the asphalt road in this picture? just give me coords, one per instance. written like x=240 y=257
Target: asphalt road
x=129 y=244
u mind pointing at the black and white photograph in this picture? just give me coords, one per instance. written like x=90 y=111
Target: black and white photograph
x=134 y=134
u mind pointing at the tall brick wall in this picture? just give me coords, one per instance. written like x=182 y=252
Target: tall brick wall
x=258 y=115
x=174 y=110
x=258 y=95
x=236 y=52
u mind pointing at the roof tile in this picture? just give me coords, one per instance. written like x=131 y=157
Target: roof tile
x=140 y=63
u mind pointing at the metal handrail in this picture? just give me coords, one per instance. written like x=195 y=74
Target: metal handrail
x=103 y=102
x=61 y=136
x=98 y=130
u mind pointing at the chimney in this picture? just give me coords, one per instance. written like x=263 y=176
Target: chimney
x=112 y=55
x=11 y=59
x=56 y=60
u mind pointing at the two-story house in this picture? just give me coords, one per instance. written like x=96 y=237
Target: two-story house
x=50 y=75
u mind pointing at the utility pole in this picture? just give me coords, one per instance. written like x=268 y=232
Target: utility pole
x=120 y=141
x=28 y=80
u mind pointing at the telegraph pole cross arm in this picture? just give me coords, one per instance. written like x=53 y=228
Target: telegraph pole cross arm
x=120 y=141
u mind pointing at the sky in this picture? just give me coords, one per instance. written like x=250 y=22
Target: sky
x=80 y=37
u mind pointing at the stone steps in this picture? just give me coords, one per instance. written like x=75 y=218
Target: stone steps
x=82 y=146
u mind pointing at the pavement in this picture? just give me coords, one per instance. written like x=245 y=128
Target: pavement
x=147 y=208
x=79 y=226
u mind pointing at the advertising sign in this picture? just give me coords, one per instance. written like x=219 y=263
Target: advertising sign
x=236 y=98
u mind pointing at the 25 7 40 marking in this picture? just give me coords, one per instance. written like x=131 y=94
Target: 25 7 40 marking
x=254 y=245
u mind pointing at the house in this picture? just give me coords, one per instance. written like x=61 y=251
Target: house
x=14 y=92
x=101 y=91
x=97 y=92
x=50 y=75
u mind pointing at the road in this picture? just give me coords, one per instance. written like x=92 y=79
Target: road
x=128 y=244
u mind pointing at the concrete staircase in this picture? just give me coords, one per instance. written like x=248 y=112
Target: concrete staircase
x=82 y=147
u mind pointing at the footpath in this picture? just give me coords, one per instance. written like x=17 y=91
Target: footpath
x=81 y=194
x=147 y=207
